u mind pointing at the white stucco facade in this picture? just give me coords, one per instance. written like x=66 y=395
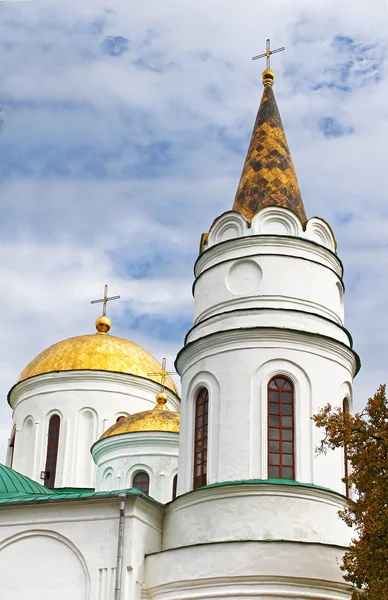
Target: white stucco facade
x=120 y=457
x=268 y=304
x=87 y=402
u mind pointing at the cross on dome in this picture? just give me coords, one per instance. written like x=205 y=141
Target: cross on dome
x=105 y=300
x=162 y=374
x=268 y=53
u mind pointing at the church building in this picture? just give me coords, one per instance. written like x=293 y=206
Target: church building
x=118 y=487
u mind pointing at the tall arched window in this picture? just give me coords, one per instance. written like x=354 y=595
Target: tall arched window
x=281 y=456
x=174 y=486
x=200 y=437
x=345 y=409
x=52 y=451
x=141 y=481
x=11 y=447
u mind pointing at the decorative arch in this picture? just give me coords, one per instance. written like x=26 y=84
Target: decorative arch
x=274 y=220
x=87 y=433
x=53 y=535
x=28 y=446
x=107 y=479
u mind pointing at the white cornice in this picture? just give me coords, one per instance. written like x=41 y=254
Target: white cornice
x=259 y=337
x=128 y=442
x=244 y=490
x=62 y=381
x=268 y=244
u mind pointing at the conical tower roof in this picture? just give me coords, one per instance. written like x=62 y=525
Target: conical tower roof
x=268 y=177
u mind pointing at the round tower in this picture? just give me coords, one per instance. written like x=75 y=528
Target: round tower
x=267 y=349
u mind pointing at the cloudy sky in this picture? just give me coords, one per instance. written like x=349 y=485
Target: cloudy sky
x=125 y=129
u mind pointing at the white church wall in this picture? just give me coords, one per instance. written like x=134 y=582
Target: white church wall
x=122 y=456
x=255 y=511
x=242 y=363
x=68 y=550
x=69 y=394
x=267 y=569
x=268 y=274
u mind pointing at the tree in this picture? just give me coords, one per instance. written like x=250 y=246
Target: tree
x=364 y=437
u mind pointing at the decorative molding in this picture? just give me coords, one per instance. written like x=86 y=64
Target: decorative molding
x=253 y=337
x=267 y=244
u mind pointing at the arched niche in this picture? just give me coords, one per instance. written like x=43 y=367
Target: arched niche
x=228 y=226
x=275 y=220
x=318 y=231
x=51 y=567
x=28 y=442
x=87 y=425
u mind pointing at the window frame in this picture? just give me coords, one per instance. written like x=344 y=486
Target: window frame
x=174 y=486
x=200 y=445
x=346 y=410
x=141 y=474
x=281 y=429
x=53 y=433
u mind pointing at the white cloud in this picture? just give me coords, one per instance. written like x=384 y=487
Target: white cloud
x=68 y=105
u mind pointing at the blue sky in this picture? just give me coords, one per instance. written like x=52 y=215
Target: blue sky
x=125 y=130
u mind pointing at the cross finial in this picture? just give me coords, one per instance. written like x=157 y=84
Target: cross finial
x=268 y=54
x=105 y=300
x=162 y=374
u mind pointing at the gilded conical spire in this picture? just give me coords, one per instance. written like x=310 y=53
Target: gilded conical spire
x=268 y=177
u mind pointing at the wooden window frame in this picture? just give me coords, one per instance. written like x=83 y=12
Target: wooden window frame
x=345 y=410
x=54 y=429
x=142 y=474
x=201 y=427
x=174 y=485
x=286 y=387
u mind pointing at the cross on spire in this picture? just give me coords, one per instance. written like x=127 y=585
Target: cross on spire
x=162 y=374
x=105 y=300
x=268 y=53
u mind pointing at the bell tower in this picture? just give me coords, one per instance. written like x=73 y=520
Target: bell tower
x=268 y=346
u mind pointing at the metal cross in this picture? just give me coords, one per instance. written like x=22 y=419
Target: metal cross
x=105 y=299
x=162 y=374
x=268 y=54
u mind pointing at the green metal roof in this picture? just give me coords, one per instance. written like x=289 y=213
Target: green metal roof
x=13 y=484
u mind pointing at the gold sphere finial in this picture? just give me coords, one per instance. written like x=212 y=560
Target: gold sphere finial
x=103 y=324
x=268 y=77
x=161 y=400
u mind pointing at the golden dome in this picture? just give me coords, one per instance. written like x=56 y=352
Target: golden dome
x=158 y=419
x=97 y=352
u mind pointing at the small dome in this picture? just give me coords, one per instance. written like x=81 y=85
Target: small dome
x=97 y=352
x=158 y=419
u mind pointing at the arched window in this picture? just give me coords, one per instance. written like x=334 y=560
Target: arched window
x=52 y=451
x=345 y=409
x=11 y=447
x=174 y=486
x=281 y=456
x=141 y=481
x=120 y=418
x=200 y=438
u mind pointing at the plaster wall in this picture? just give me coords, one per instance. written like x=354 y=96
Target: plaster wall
x=69 y=550
x=88 y=402
x=266 y=570
x=122 y=456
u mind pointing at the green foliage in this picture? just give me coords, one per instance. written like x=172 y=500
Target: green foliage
x=365 y=437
